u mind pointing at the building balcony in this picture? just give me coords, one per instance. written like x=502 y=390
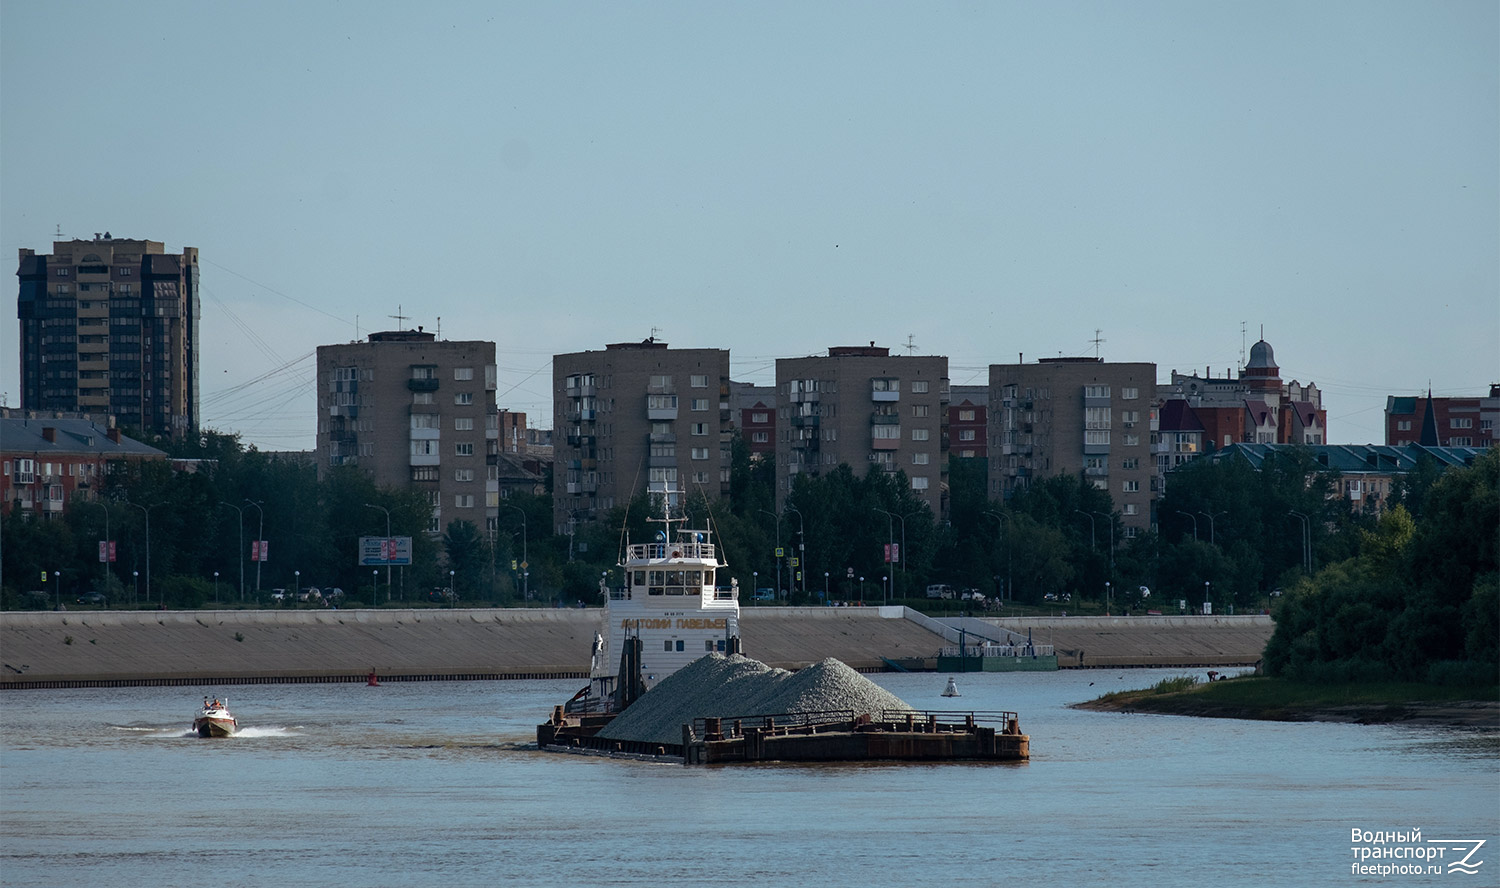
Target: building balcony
x=885 y=397
x=661 y=414
x=1096 y=472
x=663 y=438
x=804 y=397
x=581 y=391
x=582 y=414
x=885 y=419
x=581 y=440
x=806 y=422
x=424 y=459
x=885 y=443
x=805 y=444
x=661 y=389
x=661 y=462
x=422 y=385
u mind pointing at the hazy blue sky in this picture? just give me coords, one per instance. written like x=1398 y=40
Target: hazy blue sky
x=979 y=179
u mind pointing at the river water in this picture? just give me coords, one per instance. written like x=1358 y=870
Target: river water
x=433 y=784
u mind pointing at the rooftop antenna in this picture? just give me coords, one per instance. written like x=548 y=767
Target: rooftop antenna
x=1242 y=345
x=401 y=319
x=58 y=235
x=911 y=343
x=655 y=332
x=440 y=327
x=1096 y=341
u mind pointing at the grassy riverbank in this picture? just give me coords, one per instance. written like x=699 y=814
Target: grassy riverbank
x=1273 y=699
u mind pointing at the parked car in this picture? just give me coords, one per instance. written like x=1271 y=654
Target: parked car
x=972 y=595
x=278 y=595
x=333 y=594
x=311 y=593
x=92 y=598
x=765 y=594
x=940 y=590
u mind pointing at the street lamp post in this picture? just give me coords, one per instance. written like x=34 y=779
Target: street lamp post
x=755 y=584
x=778 y=548
x=861 y=590
x=1205 y=592
x=1091 y=526
x=452 y=589
x=1306 y=541
x=216 y=587
x=260 y=540
x=825 y=587
x=241 y=511
x=375 y=587
x=146 y=510
x=1001 y=516
x=886 y=589
x=801 y=550
x=296 y=584
x=385 y=552
x=57 y=587
x=1195 y=523
x=135 y=597
x=1110 y=520
x=1108 y=597
x=1210 y=517
x=105 y=554
x=525 y=559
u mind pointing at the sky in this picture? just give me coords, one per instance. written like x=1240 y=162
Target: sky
x=978 y=180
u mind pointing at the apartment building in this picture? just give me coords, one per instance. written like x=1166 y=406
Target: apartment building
x=1075 y=416
x=753 y=407
x=968 y=421
x=1442 y=422
x=414 y=411
x=636 y=416
x=1252 y=407
x=863 y=406
x=109 y=327
x=48 y=460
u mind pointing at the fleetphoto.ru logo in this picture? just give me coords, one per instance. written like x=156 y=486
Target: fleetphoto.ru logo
x=1393 y=853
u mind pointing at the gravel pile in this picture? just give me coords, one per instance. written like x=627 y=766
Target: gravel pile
x=722 y=687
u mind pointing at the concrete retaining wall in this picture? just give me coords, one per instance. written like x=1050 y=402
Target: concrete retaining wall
x=50 y=649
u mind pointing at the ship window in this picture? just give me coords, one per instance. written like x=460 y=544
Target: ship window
x=680 y=645
x=708 y=645
x=640 y=578
x=720 y=645
x=666 y=645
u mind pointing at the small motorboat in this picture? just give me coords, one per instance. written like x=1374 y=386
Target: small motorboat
x=215 y=719
x=952 y=689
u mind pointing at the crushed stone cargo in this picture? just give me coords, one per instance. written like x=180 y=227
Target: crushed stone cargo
x=719 y=686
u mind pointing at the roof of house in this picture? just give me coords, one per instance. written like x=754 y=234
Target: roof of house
x=1348 y=459
x=1178 y=416
x=71 y=436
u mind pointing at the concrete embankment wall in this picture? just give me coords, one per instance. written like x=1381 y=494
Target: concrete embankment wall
x=52 y=649
x=1148 y=640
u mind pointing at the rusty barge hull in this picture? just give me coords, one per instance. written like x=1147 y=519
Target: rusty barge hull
x=921 y=737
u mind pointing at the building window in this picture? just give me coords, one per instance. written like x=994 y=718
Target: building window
x=700 y=477
x=1096 y=417
x=760 y=417
x=885 y=385
x=1096 y=437
x=698 y=380
x=661 y=402
x=700 y=453
x=1130 y=417
x=700 y=404
x=663 y=476
x=424 y=373
x=664 y=450
x=919 y=459
x=463 y=474
x=463 y=423
x=1096 y=391
x=424 y=420
x=1131 y=463
x=760 y=437
x=919 y=482
x=463 y=500
x=885 y=432
x=1130 y=487
x=463 y=448
x=1129 y=393
x=699 y=428
x=1131 y=440
x=424 y=447
x=421 y=398
x=659 y=381
x=1462 y=423
x=463 y=374
x=463 y=399
x=966 y=434
x=920 y=434
x=919 y=410
x=1403 y=425
x=1130 y=509
x=965 y=416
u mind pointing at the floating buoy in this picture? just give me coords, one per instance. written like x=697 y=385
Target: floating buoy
x=373 y=682
x=952 y=689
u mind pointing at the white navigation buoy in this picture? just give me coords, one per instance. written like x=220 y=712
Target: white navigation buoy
x=952 y=689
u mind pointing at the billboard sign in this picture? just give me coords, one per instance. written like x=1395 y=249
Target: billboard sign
x=382 y=551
